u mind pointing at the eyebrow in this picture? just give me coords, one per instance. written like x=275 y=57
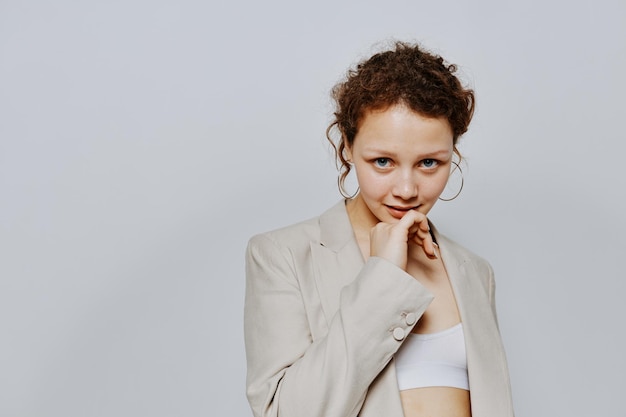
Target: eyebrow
x=435 y=154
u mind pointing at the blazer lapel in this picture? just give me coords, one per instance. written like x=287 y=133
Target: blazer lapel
x=336 y=258
x=487 y=369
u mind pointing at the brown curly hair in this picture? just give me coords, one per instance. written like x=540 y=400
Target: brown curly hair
x=405 y=74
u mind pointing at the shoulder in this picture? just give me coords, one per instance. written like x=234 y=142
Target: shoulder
x=292 y=236
x=331 y=227
x=279 y=255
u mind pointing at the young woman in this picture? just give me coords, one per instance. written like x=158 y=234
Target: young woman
x=367 y=310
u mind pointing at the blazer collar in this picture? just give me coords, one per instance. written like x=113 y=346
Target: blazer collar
x=335 y=228
x=454 y=260
x=337 y=258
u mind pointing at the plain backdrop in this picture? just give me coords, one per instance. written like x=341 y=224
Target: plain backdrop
x=143 y=142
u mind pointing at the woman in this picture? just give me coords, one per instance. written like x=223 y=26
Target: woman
x=367 y=310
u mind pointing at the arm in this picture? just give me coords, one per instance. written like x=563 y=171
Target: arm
x=289 y=374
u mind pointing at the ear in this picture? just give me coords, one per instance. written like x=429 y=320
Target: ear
x=348 y=153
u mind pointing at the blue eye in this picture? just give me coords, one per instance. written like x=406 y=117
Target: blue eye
x=429 y=163
x=381 y=162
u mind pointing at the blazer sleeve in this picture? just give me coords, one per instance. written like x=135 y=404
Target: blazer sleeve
x=492 y=292
x=290 y=374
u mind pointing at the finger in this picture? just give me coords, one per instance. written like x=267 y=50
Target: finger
x=420 y=229
x=410 y=222
x=427 y=243
x=422 y=234
x=423 y=224
x=429 y=248
x=416 y=221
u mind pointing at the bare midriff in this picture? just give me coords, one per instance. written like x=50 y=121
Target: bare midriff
x=436 y=402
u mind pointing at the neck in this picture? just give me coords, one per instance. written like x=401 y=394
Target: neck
x=362 y=221
x=360 y=215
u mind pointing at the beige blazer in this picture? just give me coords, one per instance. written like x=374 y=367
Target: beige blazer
x=322 y=325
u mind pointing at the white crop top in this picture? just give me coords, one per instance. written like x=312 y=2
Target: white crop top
x=433 y=360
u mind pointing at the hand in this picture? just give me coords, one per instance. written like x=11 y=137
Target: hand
x=391 y=241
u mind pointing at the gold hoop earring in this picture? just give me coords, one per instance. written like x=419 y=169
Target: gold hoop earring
x=462 y=183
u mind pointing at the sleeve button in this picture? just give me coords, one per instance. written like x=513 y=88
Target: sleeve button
x=398 y=333
x=411 y=318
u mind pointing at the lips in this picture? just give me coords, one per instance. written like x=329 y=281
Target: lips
x=399 y=212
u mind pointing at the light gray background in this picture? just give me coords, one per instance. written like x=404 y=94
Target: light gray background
x=143 y=142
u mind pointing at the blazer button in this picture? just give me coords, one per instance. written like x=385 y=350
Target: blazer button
x=411 y=318
x=398 y=333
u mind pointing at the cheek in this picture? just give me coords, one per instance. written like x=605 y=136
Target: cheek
x=434 y=186
x=371 y=184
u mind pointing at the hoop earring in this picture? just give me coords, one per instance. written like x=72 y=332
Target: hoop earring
x=462 y=183
x=342 y=191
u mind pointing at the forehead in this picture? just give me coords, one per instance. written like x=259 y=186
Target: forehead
x=400 y=127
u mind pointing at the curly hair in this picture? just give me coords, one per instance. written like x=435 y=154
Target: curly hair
x=406 y=74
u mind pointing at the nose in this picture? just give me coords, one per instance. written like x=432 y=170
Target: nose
x=405 y=186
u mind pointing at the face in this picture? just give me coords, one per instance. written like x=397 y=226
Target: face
x=402 y=162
